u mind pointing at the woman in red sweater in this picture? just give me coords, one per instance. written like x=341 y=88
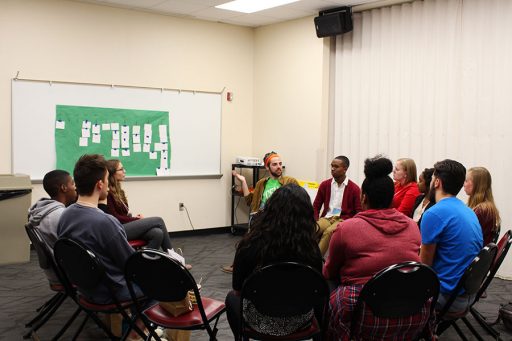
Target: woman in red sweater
x=406 y=188
x=478 y=187
x=372 y=240
x=151 y=229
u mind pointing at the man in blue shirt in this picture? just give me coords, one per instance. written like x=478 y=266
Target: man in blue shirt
x=450 y=233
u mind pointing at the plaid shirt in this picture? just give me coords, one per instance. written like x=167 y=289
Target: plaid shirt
x=343 y=303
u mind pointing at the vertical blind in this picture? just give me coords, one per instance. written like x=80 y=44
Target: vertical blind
x=429 y=80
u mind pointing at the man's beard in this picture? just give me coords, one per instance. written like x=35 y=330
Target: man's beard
x=275 y=174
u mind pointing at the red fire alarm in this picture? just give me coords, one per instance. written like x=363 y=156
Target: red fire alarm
x=229 y=96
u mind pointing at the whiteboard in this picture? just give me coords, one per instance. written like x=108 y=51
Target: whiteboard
x=194 y=122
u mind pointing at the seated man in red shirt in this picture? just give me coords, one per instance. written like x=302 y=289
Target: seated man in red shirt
x=340 y=198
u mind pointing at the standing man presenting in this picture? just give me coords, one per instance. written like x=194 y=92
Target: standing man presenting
x=264 y=188
x=340 y=198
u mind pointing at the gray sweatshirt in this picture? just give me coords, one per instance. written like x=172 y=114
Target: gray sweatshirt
x=45 y=215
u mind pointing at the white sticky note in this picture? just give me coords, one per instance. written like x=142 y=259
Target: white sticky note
x=84 y=142
x=165 y=147
x=137 y=148
x=158 y=147
x=105 y=126
x=96 y=138
x=163 y=132
x=115 y=134
x=163 y=160
x=136 y=138
x=96 y=129
x=115 y=144
x=147 y=138
x=125 y=143
x=147 y=127
x=125 y=152
x=125 y=129
x=114 y=126
x=136 y=130
x=86 y=124
x=114 y=152
x=146 y=148
x=153 y=155
x=86 y=132
x=60 y=124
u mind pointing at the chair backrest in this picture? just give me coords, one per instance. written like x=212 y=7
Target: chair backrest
x=473 y=277
x=80 y=265
x=159 y=276
x=400 y=290
x=501 y=253
x=496 y=234
x=45 y=262
x=286 y=289
x=44 y=254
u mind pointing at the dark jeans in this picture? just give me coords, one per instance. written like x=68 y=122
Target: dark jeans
x=152 y=230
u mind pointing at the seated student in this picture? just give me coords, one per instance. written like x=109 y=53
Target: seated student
x=151 y=229
x=478 y=187
x=45 y=213
x=406 y=188
x=424 y=200
x=340 y=198
x=450 y=233
x=287 y=212
x=372 y=240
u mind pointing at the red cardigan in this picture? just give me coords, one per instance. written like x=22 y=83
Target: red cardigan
x=119 y=211
x=405 y=197
x=350 y=204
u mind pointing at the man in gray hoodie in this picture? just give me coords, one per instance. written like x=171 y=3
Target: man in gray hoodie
x=45 y=213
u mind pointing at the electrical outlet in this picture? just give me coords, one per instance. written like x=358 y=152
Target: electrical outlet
x=181 y=206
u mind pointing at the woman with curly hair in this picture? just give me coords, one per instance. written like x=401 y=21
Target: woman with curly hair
x=283 y=231
x=478 y=187
x=360 y=247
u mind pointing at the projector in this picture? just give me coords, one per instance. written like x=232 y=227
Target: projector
x=248 y=161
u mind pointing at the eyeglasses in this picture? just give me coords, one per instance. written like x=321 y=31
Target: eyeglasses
x=120 y=170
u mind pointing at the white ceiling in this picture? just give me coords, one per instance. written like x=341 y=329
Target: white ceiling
x=205 y=9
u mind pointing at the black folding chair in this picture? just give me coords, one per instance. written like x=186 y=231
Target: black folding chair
x=47 y=263
x=83 y=270
x=283 y=290
x=471 y=282
x=164 y=279
x=503 y=247
x=400 y=298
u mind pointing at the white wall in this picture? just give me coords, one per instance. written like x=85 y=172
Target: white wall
x=283 y=66
x=291 y=72
x=71 y=41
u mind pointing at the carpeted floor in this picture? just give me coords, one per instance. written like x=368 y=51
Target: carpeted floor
x=23 y=288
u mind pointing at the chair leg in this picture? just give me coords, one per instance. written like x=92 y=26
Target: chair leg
x=81 y=327
x=483 y=322
x=472 y=329
x=68 y=323
x=43 y=309
x=459 y=331
x=45 y=314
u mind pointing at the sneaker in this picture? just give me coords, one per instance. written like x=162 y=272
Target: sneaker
x=227 y=269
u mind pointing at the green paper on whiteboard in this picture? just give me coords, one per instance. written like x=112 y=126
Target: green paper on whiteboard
x=139 y=138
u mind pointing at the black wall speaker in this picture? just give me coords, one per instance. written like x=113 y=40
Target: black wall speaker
x=333 y=22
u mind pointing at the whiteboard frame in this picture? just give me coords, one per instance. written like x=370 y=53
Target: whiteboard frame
x=118 y=101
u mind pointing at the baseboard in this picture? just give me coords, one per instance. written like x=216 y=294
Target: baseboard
x=201 y=232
